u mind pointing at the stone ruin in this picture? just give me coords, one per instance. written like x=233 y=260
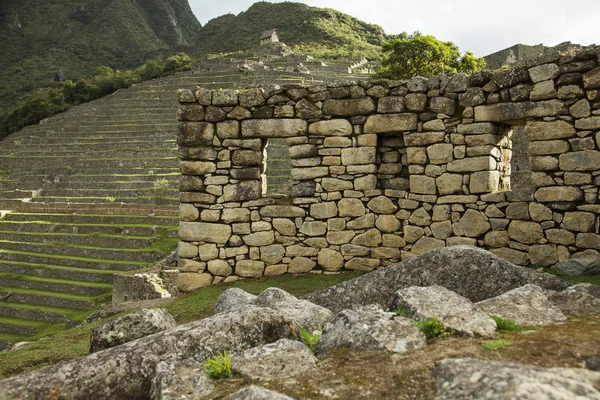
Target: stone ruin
x=384 y=171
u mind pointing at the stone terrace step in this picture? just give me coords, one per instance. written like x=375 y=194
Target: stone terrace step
x=12 y=310
x=11 y=325
x=44 y=300
x=56 y=272
x=29 y=257
x=116 y=241
x=81 y=218
x=49 y=285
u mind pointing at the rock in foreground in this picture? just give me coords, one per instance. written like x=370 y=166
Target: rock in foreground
x=471 y=272
x=580 y=299
x=476 y=379
x=257 y=393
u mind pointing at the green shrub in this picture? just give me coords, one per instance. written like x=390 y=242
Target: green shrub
x=310 y=338
x=179 y=62
x=507 y=325
x=110 y=199
x=432 y=328
x=219 y=366
x=496 y=344
x=401 y=312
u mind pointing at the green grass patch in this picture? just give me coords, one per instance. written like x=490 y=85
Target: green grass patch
x=76 y=258
x=498 y=344
x=28 y=278
x=507 y=325
x=219 y=366
x=61 y=295
x=593 y=279
x=403 y=313
x=310 y=339
x=432 y=328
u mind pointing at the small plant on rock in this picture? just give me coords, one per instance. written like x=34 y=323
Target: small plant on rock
x=219 y=366
x=496 y=344
x=432 y=328
x=310 y=338
x=401 y=312
x=110 y=199
x=507 y=325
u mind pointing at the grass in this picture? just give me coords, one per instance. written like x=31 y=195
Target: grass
x=403 y=313
x=497 y=344
x=433 y=328
x=310 y=339
x=72 y=343
x=507 y=325
x=219 y=366
x=593 y=279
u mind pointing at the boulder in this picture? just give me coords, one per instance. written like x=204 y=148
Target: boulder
x=370 y=328
x=451 y=309
x=126 y=371
x=478 y=379
x=578 y=266
x=283 y=358
x=527 y=305
x=471 y=272
x=176 y=381
x=232 y=299
x=583 y=298
x=257 y=393
x=130 y=327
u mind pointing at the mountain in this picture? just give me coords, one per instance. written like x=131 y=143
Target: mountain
x=39 y=38
x=309 y=30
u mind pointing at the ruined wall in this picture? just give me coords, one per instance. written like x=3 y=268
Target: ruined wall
x=386 y=170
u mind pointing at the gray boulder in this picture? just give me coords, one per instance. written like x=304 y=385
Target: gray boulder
x=257 y=393
x=578 y=266
x=130 y=327
x=306 y=314
x=580 y=299
x=527 y=305
x=451 y=309
x=370 y=328
x=283 y=358
x=180 y=381
x=233 y=299
x=457 y=379
x=126 y=371
x=471 y=272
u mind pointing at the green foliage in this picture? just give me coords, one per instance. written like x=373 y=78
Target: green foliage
x=496 y=344
x=401 y=312
x=110 y=199
x=310 y=339
x=219 y=366
x=507 y=325
x=433 y=328
x=407 y=55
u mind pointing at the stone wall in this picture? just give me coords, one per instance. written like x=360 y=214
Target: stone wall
x=386 y=170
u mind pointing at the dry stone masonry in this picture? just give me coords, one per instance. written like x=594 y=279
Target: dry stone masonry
x=384 y=171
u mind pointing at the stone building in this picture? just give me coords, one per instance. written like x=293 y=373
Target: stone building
x=383 y=171
x=269 y=37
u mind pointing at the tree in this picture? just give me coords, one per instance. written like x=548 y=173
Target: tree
x=407 y=55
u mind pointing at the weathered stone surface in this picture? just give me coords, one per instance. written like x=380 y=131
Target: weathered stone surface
x=130 y=327
x=422 y=184
x=426 y=244
x=442 y=105
x=249 y=268
x=204 y=232
x=451 y=309
x=242 y=191
x=233 y=299
x=282 y=212
x=284 y=358
x=544 y=72
x=174 y=380
x=559 y=193
x=502 y=112
x=257 y=393
x=370 y=328
x=543 y=91
x=196 y=134
x=389 y=123
x=472 y=224
x=471 y=272
x=441 y=153
x=484 y=181
x=392 y=104
x=300 y=265
x=362 y=264
x=351 y=208
x=313 y=228
x=588 y=241
x=510 y=77
x=300 y=174
x=449 y=183
x=349 y=107
x=543 y=255
x=359 y=156
x=527 y=305
x=473 y=164
x=472 y=97
x=580 y=161
x=579 y=266
x=591 y=79
x=330 y=260
x=525 y=232
x=580 y=299
x=423 y=138
x=388 y=223
x=284 y=226
x=549 y=130
x=382 y=205
x=219 y=267
x=478 y=379
x=333 y=127
x=259 y=238
x=269 y=128
x=588 y=123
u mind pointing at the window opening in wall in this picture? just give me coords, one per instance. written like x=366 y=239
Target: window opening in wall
x=520 y=162
x=276 y=170
x=391 y=160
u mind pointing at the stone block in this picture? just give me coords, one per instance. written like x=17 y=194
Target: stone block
x=525 y=232
x=188 y=212
x=197 y=167
x=330 y=260
x=272 y=254
x=301 y=265
x=591 y=123
x=442 y=105
x=313 y=228
x=441 y=153
x=543 y=255
x=189 y=282
x=365 y=222
x=250 y=268
x=382 y=205
x=477 y=128
x=323 y=210
x=301 y=174
x=225 y=97
x=389 y=123
x=591 y=79
x=196 y=134
x=349 y=107
x=537 y=130
x=544 y=72
x=472 y=224
x=391 y=104
x=518 y=210
x=219 y=268
x=388 y=223
x=243 y=191
x=473 y=164
x=560 y=236
x=204 y=232
x=484 y=181
x=422 y=184
x=340 y=237
x=496 y=239
x=558 y=194
x=362 y=264
x=333 y=127
x=588 y=241
x=423 y=138
x=282 y=212
x=258 y=239
x=351 y=208
x=416 y=102
x=426 y=244
x=503 y=112
x=359 y=156
x=579 y=221
x=580 y=161
x=274 y=128
x=548 y=147
x=449 y=184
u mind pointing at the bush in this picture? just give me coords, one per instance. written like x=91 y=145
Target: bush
x=310 y=338
x=507 y=325
x=219 y=366
x=433 y=328
x=179 y=62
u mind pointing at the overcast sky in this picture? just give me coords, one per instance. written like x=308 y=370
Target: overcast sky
x=481 y=26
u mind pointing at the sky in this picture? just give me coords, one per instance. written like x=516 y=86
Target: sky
x=480 y=26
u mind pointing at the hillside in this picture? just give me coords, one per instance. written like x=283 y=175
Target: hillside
x=309 y=30
x=74 y=36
